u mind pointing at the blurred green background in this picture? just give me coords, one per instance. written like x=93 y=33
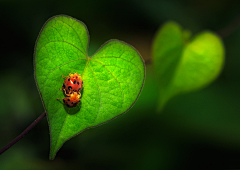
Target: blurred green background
x=200 y=130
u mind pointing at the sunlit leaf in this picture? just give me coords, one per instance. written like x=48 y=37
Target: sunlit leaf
x=112 y=78
x=183 y=64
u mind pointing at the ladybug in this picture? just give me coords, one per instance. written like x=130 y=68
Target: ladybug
x=71 y=100
x=72 y=84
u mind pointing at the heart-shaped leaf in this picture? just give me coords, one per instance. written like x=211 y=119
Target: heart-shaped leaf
x=182 y=64
x=112 y=78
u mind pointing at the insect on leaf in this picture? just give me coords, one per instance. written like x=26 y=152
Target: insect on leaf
x=112 y=78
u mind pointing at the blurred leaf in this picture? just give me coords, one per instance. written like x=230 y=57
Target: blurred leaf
x=113 y=78
x=183 y=65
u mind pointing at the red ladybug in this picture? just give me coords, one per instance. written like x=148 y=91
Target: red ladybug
x=71 y=100
x=72 y=87
x=72 y=84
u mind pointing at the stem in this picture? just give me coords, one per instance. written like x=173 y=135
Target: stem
x=23 y=133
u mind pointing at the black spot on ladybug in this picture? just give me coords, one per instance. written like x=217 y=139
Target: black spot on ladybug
x=79 y=89
x=74 y=82
x=64 y=86
x=63 y=100
x=78 y=83
x=68 y=105
x=72 y=102
x=69 y=87
x=68 y=99
x=76 y=77
x=69 y=79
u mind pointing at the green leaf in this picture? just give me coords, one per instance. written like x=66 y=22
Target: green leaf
x=182 y=64
x=112 y=78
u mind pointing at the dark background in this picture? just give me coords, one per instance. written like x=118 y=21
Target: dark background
x=199 y=130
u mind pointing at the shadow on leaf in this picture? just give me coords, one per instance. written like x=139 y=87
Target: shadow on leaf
x=73 y=110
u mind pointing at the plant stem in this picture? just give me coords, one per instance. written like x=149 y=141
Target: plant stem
x=23 y=133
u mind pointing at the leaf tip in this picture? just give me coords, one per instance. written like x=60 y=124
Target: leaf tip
x=52 y=157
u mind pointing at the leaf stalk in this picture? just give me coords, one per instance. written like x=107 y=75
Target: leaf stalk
x=23 y=133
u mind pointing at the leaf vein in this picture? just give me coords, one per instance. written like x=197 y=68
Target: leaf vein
x=63 y=42
x=98 y=90
x=60 y=130
x=114 y=78
x=74 y=31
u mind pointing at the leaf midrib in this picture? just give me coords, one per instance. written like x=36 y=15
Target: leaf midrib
x=67 y=114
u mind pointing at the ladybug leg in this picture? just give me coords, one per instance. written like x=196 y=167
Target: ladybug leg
x=65 y=92
x=64 y=77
